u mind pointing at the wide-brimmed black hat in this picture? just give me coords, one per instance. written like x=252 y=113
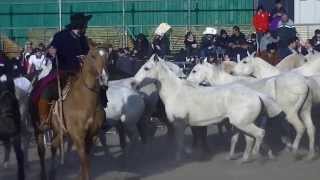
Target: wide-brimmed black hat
x=79 y=21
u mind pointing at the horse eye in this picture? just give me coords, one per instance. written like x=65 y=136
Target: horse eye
x=244 y=62
x=194 y=71
x=146 y=69
x=305 y=60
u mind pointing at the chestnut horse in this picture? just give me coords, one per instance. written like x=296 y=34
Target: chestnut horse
x=83 y=113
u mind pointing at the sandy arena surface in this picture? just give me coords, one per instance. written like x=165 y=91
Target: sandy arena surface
x=154 y=162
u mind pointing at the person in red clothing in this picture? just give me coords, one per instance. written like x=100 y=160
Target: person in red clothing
x=261 y=22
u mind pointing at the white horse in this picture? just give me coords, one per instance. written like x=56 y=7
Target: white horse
x=203 y=106
x=294 y=100
x=258 y=68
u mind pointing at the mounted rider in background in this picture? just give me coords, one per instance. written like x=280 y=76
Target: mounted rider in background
x=71 y=46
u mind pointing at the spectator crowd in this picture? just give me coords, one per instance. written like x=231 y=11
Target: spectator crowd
x=275 y=38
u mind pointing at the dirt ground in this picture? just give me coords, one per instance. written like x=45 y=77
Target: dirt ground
x=155 y=162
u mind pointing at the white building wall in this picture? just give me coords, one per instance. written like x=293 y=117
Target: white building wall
x=307 y=11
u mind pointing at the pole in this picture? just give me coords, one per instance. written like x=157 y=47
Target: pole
x=189 y=15
x=60 y=107
x=123 y=22
x=60 y=14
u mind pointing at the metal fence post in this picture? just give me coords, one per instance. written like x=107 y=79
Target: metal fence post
x=123 y=23
x=189 y=15
x=11 y=22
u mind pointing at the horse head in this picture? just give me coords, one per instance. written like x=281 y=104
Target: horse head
x=245 y=67
x=96 y=61
x=200 y=72
x=148 y=72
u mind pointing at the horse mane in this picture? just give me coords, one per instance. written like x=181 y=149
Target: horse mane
x=259 y=61
x=228 y=66
x=172 y=75
x=290 y=61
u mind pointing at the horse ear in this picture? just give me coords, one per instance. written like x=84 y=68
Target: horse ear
x=238 y=59
x=156 y=58
x=254 y=54
x=248 y=53
x=91 y=43
x=200 y=61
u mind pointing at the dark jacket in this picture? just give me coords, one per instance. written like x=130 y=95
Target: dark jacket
x=207 y=47
x=238 y=40
x=315 y=43
x=164 y=45
x=142 y=47
x=7 y=69
x=285 y=33
x=69 y=46
x=190 y=51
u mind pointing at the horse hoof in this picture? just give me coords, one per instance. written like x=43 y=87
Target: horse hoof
x=311 y=157
x=298 y=156
x=231 y=157
x=5 y=165
x=270 y=155
x=243 y=161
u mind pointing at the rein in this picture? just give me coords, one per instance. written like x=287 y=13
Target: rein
x=92 y=89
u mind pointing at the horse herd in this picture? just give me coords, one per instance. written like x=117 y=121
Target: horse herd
x=241 y=93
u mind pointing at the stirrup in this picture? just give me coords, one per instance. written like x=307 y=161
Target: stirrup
x=47 y=137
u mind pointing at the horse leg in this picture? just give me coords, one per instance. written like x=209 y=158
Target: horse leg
x=122 y=135
x=299 y=127
x=179 y=126
x=200 y=138
x=133 y=135
x=41 y=153
x=19 y=157
x=257 y=133
x=142 y=127
x=170 y=128
x=234 y=140
x=55 y=143
x=7 y=150
x=26 y=144
x=247 y=151
x=84 y=160
x=306 y=117
x=220 y=129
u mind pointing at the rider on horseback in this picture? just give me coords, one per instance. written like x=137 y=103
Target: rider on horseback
x=71 y=46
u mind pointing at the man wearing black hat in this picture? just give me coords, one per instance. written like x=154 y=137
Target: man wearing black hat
x=71 y=45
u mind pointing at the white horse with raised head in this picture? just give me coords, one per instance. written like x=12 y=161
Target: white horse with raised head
x=203 y=106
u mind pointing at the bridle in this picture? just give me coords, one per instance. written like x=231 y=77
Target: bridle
x=94 y=89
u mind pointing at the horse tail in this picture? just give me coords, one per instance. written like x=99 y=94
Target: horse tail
x=271 y=107
x=298 y=106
